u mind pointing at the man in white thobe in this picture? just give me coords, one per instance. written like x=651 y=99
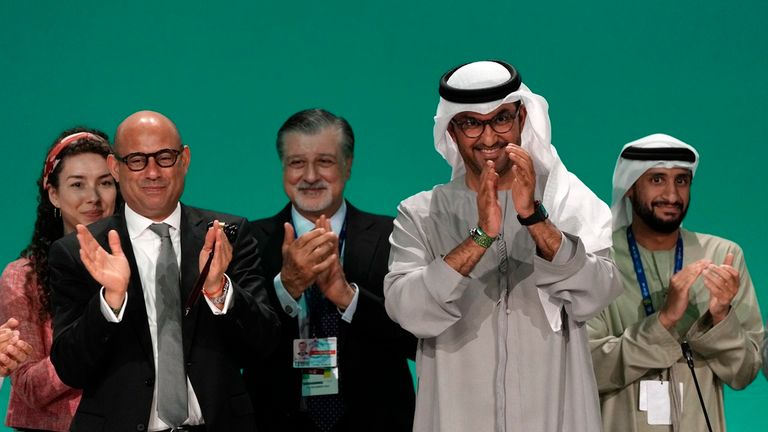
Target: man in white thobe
x=497 y=289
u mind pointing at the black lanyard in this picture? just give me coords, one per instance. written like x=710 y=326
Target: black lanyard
x=640 y=273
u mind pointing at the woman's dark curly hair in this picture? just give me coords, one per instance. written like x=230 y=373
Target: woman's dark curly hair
x=48 y=226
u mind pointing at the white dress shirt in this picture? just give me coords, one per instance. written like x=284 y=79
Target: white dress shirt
x=146 y=248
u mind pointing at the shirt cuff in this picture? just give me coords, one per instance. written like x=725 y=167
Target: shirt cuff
x=444 y=283
x=228 y=301
x=552 y=306
x=287 y=303
x=349 y=313
x=565 y=251
x=107 y=311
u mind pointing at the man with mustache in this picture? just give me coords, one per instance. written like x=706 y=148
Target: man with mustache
x=326 y=261
x=679 y=286
x=497 y=289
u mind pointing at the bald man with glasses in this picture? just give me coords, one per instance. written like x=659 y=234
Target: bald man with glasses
x=156 y=307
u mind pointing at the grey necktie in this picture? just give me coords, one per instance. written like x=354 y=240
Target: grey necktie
x=171 y=378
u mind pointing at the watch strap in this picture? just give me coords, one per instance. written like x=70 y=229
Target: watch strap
x=539 y=214
x=481 y=238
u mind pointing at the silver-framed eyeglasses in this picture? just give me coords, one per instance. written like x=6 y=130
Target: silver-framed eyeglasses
x=164 y=158
x=500 y=123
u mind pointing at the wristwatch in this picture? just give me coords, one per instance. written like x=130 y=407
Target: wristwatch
x=481 y=238
x=539 y=214
x=223 y=297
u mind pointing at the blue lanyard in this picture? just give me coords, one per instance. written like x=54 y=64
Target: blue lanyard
x=304 y=317
x=640 y=273
x=342 y=237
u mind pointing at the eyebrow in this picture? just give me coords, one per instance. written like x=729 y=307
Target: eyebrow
x=653 y=173
x=303 y=156
x=661 y=170
x=80 y=176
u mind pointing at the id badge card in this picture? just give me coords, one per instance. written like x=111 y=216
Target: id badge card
x=654 y=399
x=315 y=353
x=318 y=382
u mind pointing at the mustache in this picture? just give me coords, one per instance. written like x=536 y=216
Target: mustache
x=304 y=185
x=666 y=203
x=153 y=183
x=497 y=144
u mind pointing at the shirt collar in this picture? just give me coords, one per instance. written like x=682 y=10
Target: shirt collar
x=137 y=223
x=303 y=225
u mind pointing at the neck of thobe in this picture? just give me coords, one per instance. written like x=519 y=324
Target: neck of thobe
x=651 y=239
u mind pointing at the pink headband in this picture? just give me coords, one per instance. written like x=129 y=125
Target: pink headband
x=52 y=161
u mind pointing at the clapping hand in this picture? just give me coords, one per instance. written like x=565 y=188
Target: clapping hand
x=111 y=270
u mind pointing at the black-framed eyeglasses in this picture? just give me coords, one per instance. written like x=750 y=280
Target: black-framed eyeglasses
x=500 y=123
x=164 y=158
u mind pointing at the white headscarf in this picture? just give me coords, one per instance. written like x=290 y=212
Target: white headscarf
x=627 y=172
x=572 y=206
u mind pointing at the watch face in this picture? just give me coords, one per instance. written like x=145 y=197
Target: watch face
x=540 y=209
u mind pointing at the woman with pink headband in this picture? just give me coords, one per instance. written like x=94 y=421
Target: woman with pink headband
x=75 y=187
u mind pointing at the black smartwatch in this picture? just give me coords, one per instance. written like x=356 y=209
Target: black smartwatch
x=539 y=215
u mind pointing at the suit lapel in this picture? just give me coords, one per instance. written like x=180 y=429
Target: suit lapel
x=271 y=233
x=135 y=309
x=359 y=246
x=193 y=229
x=273 y=255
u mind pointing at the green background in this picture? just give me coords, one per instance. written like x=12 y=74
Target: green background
x=229 y=74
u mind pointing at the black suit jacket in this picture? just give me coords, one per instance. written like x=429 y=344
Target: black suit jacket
x=374 y=380
x=113 y=362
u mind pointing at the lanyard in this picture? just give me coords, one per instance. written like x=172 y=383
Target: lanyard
x=640 y=273
x=303 y=316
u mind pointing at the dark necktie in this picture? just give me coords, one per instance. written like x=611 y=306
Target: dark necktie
x=323 y=316
x=171 y=377
x=325 y=410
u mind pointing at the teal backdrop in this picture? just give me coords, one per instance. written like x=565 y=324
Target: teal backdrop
x=230 y=73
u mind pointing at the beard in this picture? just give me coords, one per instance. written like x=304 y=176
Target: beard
x=321 y=201
x=648 y=216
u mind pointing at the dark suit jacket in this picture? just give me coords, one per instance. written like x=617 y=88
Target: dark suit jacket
x=113 y=362
x=374 y=380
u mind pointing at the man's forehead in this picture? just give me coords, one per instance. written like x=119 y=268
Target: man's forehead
x=325 y=142
x=675 y=171
x=147 y=139
x=511 y=106
x=309 y=153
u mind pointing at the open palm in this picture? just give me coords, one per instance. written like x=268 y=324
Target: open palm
x=111 y=270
